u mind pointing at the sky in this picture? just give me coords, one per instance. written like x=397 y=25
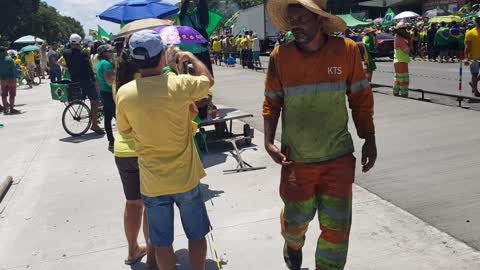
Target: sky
x=85 y=11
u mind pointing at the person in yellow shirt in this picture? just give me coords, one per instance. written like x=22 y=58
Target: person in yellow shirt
x=472 y=55
x=239 y=45
x=126 y=160
x=248 y=47
x=217 y=51
x=154 y=110
x=30 y=63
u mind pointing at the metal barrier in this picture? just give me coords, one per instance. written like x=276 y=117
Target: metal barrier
x=459 y=98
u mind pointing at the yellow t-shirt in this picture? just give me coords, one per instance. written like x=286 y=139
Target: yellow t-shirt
x=217 y=46
x=473 y=36
x=30 y=59
x=155 y=111
x=249 y=43
x=244 y=43
x=238 y=43
x=124 y=146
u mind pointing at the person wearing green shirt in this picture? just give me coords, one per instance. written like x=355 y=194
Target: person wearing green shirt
x=369 y=56
x=441 y=41
x=105 y=78
x=194 y=13
x=8 y=82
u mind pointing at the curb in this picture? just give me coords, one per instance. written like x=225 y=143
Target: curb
x=5 y=186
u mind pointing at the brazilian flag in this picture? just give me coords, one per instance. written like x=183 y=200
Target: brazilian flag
x=465 y=10
x=104 y=35
x=388 y=19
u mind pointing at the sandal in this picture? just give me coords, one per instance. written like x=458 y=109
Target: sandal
x=141 y=253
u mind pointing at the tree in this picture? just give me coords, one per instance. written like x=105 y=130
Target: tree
x=32 y=17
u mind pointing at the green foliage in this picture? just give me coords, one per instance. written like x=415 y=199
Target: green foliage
x=32 y=17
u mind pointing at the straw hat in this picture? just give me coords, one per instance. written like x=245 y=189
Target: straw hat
x=278 y=12
x=369 y=30
x=401 y=25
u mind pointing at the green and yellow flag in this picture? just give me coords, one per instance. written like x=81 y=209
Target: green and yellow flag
x=388 y=19
x=93 y=34
x=233 y=20
x=465 y=10
x=104 y=35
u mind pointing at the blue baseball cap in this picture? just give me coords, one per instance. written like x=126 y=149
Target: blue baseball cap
x=145 y=45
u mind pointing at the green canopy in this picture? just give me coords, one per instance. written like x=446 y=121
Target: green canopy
x=352 y=22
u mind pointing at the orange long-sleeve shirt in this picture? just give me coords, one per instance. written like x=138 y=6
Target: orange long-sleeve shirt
x=310 y=91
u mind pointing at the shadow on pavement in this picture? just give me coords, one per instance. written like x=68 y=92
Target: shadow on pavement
x=183 y=261
x=208 y=194
x=81 y=139
x=139 y=266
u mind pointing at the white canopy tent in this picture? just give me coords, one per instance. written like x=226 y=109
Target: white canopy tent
x=29 y=39
x=406 y=15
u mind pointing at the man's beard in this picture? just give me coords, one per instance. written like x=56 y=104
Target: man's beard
x=301 y=37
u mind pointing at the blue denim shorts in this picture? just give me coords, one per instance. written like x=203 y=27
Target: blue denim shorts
x=192 y=212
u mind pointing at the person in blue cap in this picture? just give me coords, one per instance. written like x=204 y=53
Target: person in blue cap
x=155 y=111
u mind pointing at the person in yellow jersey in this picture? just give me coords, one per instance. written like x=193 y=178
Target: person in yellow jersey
x=170 y=168
x=217 y=51
x=472 y=55
x=126 y=160
x=238 y=44
x=30 y=63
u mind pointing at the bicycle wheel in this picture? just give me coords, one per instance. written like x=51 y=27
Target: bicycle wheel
x=76 y=118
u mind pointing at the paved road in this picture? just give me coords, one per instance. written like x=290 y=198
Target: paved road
x=428 y=163
x=65 y=209
x=432 y=76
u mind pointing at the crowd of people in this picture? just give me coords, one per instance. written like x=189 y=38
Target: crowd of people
x=419 y=39
x=246 y=47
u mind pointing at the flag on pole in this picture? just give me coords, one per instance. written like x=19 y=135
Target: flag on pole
x=231 y=22
x=465 y=10
x=215 y=19
x=93 y=34
x=388 y=19
x=104 y=35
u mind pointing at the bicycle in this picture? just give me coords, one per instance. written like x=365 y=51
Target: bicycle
x=76 y=117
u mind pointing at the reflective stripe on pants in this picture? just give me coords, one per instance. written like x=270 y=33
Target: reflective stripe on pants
x=402 y=79
x=327 y=189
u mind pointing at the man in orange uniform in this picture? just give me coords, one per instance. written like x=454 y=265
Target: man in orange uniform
x=308 y=82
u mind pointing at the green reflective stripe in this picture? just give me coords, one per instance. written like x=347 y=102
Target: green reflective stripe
x=324 y=263
x=359 y=86
x=332 y=247
x=274 y=95
x=294 y=240
x=298 y=213
x=333 y=224
x=336 y=203
x=315 y=88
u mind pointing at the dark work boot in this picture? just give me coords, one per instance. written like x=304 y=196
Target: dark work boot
x=293 y=258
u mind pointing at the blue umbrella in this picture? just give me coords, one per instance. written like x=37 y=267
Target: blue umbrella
x=131 y=10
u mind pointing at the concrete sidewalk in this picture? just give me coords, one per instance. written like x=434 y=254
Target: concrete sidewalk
x=65 y=211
